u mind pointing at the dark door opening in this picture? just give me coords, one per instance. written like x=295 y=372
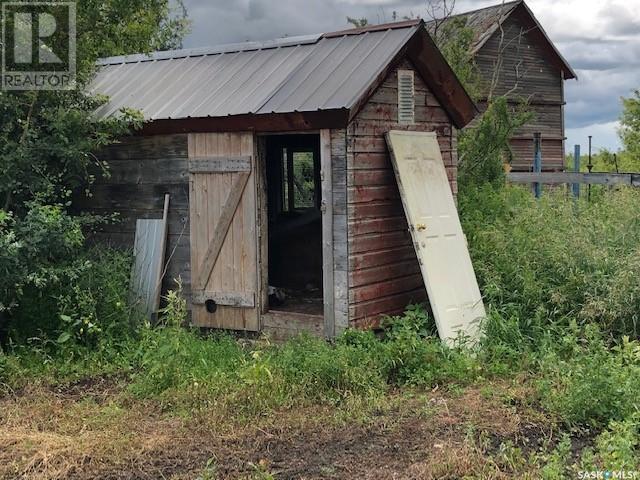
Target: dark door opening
x=295 y=223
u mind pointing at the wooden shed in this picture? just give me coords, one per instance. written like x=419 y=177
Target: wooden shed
x=516 y=58
x=275 y=159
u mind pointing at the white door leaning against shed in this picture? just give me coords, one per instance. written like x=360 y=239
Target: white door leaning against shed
x=437 y=234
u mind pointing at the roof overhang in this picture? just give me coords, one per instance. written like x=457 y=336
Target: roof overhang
x=268 y=122
x=440 y=78
x=434 y=69
x=419 y=48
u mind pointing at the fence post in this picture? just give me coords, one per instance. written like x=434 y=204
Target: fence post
x=576 y=168
x=537 y=162
x=589 y=167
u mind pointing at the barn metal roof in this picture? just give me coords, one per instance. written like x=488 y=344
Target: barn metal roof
x=298 y=74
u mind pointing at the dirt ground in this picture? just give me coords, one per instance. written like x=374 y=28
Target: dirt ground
x=94 y=430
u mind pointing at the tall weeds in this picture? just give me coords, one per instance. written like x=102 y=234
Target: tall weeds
x=545 y=263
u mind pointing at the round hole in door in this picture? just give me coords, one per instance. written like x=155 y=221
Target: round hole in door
x=211 y=306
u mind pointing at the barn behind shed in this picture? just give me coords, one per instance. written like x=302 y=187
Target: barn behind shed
x=275 y=159
x=516 y=58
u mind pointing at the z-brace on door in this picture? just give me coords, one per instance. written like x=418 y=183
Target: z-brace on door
x=224 y=246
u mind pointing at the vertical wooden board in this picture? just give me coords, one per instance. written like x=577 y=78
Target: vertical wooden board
x=198 y=216
x=237 y=245
x=250 y=267
x=340 y=241
x=222 y=274
x=328 y=267
x=263 y=223
x=240 y=248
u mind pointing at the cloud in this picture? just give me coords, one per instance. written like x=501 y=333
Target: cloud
x=595 y=98
x=621 y=18
x=599 y=38
x=604 y=136
x=602 y=55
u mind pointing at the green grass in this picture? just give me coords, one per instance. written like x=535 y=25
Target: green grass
x=560 y=281
x=547 y=263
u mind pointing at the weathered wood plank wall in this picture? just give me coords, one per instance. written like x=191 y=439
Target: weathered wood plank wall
x=524 y=72
x=384 y=274
x=142 y=170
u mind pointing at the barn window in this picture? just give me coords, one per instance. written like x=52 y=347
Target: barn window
x=406 y=97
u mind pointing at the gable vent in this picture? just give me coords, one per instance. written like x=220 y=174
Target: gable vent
x=406 y=97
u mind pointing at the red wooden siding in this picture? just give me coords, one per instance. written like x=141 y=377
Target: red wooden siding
x=384 y=274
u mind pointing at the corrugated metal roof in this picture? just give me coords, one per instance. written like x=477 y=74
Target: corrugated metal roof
x=298 y=74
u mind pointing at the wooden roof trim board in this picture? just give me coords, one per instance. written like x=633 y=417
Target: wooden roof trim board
x=434 y=70
x=264 y=123
x=438 y=75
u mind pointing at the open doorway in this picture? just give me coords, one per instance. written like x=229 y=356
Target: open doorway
x=295 y=223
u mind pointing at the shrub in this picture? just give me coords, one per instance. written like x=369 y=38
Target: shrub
x=543 y=263
x=416 y=356
x=586 y=382
x=34 y=250
x=616 y=448
x=484 y=147
x=86 y=300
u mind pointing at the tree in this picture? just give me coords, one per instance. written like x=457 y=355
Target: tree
x=47 y=140
x=358 y=22
x=454 y=39
x=629 y=130
x=483 y=146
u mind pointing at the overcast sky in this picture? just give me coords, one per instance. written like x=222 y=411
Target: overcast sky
x=599 y=38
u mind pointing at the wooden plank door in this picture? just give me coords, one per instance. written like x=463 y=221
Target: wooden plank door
x=224 y=244
x=437 y=234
